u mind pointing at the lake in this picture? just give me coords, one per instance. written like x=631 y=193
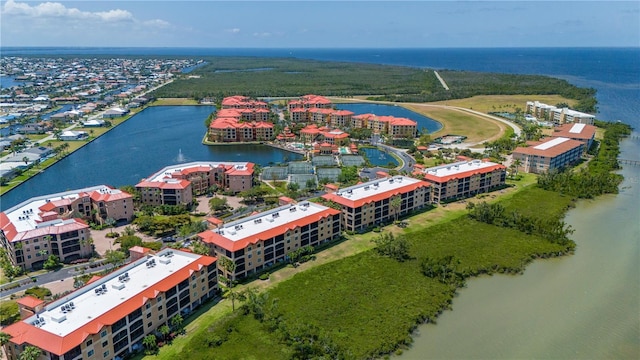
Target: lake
x=157 y=137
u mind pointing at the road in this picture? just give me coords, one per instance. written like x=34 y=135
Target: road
x=406 y=161
x=62 y=274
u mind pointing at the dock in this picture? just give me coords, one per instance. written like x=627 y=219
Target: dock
x=629 y=162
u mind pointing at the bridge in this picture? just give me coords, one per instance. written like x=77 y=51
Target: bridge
x=629 y=162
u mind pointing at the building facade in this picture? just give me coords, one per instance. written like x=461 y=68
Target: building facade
x=557 y=115
x=264 y=239
x=463 y=179
x=57 y=224
x=380 y=201
x=108 y=318
x=551 y=154
x=177 y=184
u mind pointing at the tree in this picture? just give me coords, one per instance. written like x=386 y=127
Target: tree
x=52 y=263
x=129 y=241
x=9 y=312
x=114 y=257
x=311 y=184
x=30 y=353
x=396 y=248
x=293 y=187
x=26 y=160
x=200 y=248
x=516 y=165
x=395 y=203
x=217 y=204
x=164 y=331
x=176 y=323
x=150 y=344
x=4 y=339
x=110 y=222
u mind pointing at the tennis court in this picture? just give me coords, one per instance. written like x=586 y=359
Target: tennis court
x=300 y=167
x=275 y=173
x=352 y=160
x=323 y=160
x=331 y=174
x=301 y=179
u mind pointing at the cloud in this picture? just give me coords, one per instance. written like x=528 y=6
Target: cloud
x=233 y=31
x=262 y=34
x=55 y=10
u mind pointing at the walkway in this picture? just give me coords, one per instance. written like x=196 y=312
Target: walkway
x=444 y=84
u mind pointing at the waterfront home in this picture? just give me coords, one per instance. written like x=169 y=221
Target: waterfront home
x=463 y=179
x=114 y=113
x=266 y=238
x=557 y=115
x=56 y=224
x=373 y=203
x=41 y=151
x=549 y=154
x=109 y=317
x=233 y=125
x=580 y=132
x=32 y=129
x=71 y=135
x=176 y=184
x=394 y=127
x=93 y=123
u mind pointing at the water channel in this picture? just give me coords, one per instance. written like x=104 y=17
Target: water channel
x=583 y=306
x=157 y=137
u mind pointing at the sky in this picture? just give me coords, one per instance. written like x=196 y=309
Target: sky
x=320 y=24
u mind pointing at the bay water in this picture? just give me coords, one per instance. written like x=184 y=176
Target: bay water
x=583 y=306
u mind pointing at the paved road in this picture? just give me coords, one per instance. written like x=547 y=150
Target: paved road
x=62 y=274
x=407 y=161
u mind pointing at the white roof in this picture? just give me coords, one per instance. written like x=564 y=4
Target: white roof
x=240 y=229
x=374 y=187
x=551 y=143
x=88 y=305
x=24 y=216
x=458 y=167
x=167 y=171
x=577 y=128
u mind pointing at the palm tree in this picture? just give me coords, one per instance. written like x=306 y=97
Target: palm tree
x=176 y=323
x=229 y=269
x=110 y=222
x=30 y=353
x=150 y=344
x=395 y=204
x=164 y=331
x=4 y=339
x=517 y=163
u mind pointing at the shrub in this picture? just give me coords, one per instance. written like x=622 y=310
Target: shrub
x=9 y=312
x=264 y=276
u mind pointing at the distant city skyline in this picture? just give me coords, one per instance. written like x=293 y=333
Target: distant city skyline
x=320 y=24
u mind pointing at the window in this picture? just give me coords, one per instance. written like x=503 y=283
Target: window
x=105 y=354
x=89 y=342
x=160 y=307
x=148 y=315
x=105 y=343
x=159 y=298
x=90 y=353
x=149 y=324
x=160 y=317
x=103 y=333
x=147 y=306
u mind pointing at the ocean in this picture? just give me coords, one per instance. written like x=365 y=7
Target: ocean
x=582 y=306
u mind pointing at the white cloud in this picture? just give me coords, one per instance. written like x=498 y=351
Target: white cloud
x=233 y=31
x=262 y=34
x=59 y=11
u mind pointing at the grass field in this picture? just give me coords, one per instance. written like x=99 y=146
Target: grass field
x=174 y=101
x=352 y=298
x=506 y=103
x=474 y=127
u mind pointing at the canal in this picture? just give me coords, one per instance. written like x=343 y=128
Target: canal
x=156 y=137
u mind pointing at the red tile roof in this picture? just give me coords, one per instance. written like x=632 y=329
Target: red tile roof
x=550 y=152
x=23 y=332
x=211 y=237
x=376 y=196
x=30 y=301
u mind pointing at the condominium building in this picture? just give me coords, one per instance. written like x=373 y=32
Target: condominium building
x=241 y=125
x=389 y=125
x=580 y=132
x=557 y=115
x=57 y=224
x=372 y=203
x=309 y=102
x=176 y=184
x=243 y=102
x=547 y=155
x=261 y=240
x=464 y=179
x=108 y=318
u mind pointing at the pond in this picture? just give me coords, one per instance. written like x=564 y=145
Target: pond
x=378 y=157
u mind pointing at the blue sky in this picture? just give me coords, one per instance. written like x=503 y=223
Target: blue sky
x=320 y=24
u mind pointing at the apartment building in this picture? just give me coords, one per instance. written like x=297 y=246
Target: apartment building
x=57 y=224
x=550 y=154
x=580 y=132
x=264 y=239
x=108 y=318
x=463 y=179
x=241 y=125
x=176 y=184
x=372 y=203
x=309 y=102
x=243 y=102
x=392 y=126
x=557 y=115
